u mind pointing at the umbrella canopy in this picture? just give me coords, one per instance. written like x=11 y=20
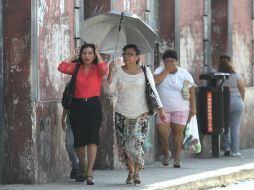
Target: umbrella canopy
x=113 y=30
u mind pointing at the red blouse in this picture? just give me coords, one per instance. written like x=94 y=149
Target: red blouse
x=86 y=84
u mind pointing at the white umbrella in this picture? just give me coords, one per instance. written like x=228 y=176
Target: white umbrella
x=113 y=30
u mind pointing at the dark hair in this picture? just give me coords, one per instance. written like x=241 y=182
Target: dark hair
x=86 y=45
x=225 y=64
x=136 y=49
x=170 y=53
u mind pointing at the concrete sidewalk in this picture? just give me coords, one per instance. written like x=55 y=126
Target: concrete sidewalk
x=196 y=173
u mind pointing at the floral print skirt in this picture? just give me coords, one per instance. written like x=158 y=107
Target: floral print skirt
x=131 y=134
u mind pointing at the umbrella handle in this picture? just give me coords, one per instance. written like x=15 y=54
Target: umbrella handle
x=121 y=20
x=119 y=29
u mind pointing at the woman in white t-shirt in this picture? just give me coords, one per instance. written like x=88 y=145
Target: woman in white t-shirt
x=171 y=82
x=131 y=111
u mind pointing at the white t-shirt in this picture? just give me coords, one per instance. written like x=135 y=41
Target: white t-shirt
x=130 y=92
x=170 y=90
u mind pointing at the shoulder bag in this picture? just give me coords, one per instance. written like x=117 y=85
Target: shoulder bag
x=151 y=99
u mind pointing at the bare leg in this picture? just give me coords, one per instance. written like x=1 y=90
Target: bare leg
x=80 y=152
x=177 y=131
x=136 y=169
x=163 y=130
x=130 y=165
x=91 y=155
x=137 y=179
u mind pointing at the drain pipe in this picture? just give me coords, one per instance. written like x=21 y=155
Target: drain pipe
x=76 y=24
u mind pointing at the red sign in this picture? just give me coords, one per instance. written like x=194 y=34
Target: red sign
x=210 y=111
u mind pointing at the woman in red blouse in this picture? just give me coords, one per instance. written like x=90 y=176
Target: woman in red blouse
x=86 y=112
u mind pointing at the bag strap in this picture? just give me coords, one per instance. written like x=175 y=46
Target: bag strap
x=74 y=75
x=144 y=70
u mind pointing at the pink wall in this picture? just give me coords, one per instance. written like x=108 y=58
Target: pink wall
x=219 y=30
x=55 y=25
x=16 y=42
x=166 y=24
x=191 y=36
x=134 y=6
x=242 y=38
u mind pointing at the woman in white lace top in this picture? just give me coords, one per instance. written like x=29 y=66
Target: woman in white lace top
x=131 y=111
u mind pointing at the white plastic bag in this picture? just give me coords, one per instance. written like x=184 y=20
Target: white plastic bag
x=191 y=140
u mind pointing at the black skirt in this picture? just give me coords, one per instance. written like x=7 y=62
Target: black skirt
x=86 y=119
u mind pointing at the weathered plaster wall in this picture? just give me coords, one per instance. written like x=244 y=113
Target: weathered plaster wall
x=95 y=7
x=17 y=100
x=55 y=33
x=4 y=173
x=35 y=138
x=167 y=22
x=55 y=42
x=247 y=132
x=134 y=6
x=191 y=36
x=242 y=38
x=241 y=54
x=50 y=156
x=219 y=30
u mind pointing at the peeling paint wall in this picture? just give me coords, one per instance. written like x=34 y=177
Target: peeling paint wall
x=4 y=172
x=166 y=24
x=191 y=36
x=17 y=92
x=55 y=31
x=242 y=38
x=35 y=138
x=241 y=54
x=95 y=7
x=247 y=132
x=219 y=30
x=50 y=156
x=55 y=24
x=134 y=6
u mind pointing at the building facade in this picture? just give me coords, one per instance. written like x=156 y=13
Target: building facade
x=36 y=35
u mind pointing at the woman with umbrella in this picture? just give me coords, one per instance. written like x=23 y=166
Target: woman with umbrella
x=131 y=111
x=85 y=111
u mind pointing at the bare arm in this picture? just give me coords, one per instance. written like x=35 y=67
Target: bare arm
x=192 y=101
x=160 y=77
x=240 y=84
x=111 y=68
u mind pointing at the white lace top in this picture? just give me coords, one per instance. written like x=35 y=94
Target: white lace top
x=130 y=92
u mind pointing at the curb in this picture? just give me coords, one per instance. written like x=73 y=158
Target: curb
x=207 y=180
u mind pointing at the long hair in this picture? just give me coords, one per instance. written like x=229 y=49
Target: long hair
x=86 y=45
x=225 y=64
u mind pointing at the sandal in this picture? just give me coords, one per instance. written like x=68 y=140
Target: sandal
x=90 y=180
x=177 y=165
x=165 y=161
x=137 y=179
x=129 y=179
